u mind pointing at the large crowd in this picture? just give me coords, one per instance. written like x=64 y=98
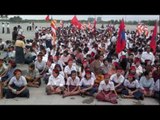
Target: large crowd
x=81 y=62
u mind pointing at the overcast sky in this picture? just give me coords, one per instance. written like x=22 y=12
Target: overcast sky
x=85 y=17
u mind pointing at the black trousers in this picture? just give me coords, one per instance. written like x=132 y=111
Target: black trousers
x=3 y=30
x=10 y=94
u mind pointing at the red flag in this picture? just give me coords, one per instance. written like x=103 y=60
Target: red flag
x=153 y=39
x=75 y=22
x=94 y=25
x=95 y=22
x=53 y=28
x=47 y=18
x=121 y=42
x=61 y=24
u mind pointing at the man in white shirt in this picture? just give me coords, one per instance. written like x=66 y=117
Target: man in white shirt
x=48 y=38
x=147 y=55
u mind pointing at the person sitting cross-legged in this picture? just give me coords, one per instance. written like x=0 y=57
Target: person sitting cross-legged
x=56 y=83
x=17 y=86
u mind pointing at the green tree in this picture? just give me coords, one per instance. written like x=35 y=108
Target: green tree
x=15 y=19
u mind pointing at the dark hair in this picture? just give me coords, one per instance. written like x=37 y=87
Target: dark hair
x=86 y=49
x=73 y=71
x=56 y=71
x=58 y=65
x=15 y=28
x=79 y=49
x=17 y=70
x=13 y=63
x=146 y=73
x=32 y=65
x=87 y=71
x=88 y=55
x=97 y=56
x=123 y=63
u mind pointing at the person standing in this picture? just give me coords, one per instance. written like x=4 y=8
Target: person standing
x=20 y=45
x=8 y=29
x=14 y=34
x=32 y=25
x=3 y=28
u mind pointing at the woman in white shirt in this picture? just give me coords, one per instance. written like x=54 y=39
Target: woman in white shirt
x=69 y=68
x=118 y=80
x=106 y=91
x=132 y=88
x=72 y=85
x=147 y=84
x=17 y=86
x=86 y=85
x=55 y=84
x=40 y=64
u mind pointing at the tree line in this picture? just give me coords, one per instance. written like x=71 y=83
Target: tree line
x=18 y=19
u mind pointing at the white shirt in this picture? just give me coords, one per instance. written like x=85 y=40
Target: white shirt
x=86 y=82
x=68 y=70
x=146 y=83
x=133 y=84
x=116 y=79
x=48 y=37
x=51 y=68
x=72 y=82
x=106 y=87
x=45 y=57
x=92 y=75
x=139 y=70
x=40 y=65
x=148 y=56
x=58 y=81
x=19 y=83
x=115 y=60
x=113 y=39
x=58 y=62
x=12 y=54
x=20 y=32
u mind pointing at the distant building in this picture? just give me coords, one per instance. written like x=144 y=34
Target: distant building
x=99 y=19
x=90 y=19
x=4 y=17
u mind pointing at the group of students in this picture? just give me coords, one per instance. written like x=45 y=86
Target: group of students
x=84 y=62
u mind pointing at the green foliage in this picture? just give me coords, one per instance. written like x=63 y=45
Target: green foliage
x=15 y=19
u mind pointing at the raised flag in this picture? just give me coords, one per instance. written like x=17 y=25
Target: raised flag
x=47 y=18
x=153 y=39
x=121 y=42
x=142 y=29
x=53 y=28
x=94 y=25
x=75 y=22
